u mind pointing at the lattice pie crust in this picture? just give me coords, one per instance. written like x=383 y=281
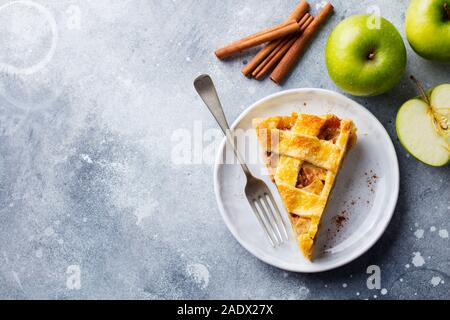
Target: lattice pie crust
x=303 y=154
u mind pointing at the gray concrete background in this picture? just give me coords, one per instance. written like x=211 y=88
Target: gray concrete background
x=87 y=184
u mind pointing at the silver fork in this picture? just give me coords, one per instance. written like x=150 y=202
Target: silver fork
x=256 y=190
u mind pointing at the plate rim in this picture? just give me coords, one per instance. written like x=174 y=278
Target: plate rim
x=351 y=257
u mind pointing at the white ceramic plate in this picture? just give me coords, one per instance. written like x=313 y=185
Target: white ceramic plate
x=361 y=204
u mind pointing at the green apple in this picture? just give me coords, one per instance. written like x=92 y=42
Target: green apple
x=365 y=58
x=422 y=126
x=428 y=28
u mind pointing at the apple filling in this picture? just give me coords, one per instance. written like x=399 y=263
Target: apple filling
x=330 y=130
x=304 y=179
x=311 y=178
x=286 y=123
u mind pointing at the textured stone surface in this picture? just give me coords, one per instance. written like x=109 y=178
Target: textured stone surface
x=87 y=184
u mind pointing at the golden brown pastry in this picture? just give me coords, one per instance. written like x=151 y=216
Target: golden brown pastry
x=303 y=154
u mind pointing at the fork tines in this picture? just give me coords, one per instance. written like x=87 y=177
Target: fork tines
x=269 y=217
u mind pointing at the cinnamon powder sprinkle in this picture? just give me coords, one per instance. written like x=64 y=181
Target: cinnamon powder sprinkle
x=372 y=179
x=340 y=220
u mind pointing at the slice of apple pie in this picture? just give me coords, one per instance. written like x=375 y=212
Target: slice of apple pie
x=303 y=154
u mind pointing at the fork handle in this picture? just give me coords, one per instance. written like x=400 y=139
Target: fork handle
x=207 y=91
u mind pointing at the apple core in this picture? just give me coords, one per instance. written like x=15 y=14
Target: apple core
x=422 y=125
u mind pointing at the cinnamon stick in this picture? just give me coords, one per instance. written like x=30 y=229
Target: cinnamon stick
x=270 y=34
x=299 y=45
x=279 y=52
x=300 y=11
x=257 y=34
x=305 y=26
x=259 y=72
x=304 y=19
x=260 y=56
x=284 y=43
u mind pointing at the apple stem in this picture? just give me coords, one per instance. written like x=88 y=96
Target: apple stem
x=447 y=11
x=421 y=89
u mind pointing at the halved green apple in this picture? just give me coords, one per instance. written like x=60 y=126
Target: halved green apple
x=422 y=126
